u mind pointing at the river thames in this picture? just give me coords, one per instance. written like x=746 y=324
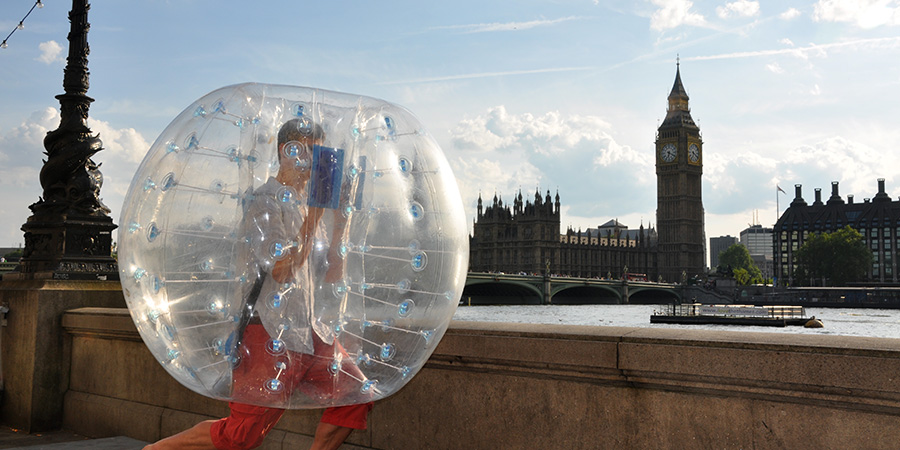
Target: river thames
x=883 y=323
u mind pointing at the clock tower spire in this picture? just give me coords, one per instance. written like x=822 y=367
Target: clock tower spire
x=679 y=200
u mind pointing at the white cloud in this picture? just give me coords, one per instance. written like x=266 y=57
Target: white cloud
x=22 y=155
x=774 y=68
x=791 y=13
x=839 y=159
x=820 y=50
x=505 y=26
x=787 y=42
x=733 y=184
x=499 y=151
x=673 y=13
x=50 y=52
x=741 y=8
x=862 y=13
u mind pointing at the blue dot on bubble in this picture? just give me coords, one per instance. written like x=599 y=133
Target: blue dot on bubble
x=405 y=307
x=416 y=211
x=387 y=351
x=275 y=346
x=168 y=181
x=191 y=142
x=278 y=250
x=285 y=194
x=274 y=385
x=276 y=301
x=152 y=232
x=419 y=261
x=291 y=150
x=405 y=165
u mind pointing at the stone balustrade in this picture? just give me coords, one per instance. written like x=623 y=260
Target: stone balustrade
x=500 y=385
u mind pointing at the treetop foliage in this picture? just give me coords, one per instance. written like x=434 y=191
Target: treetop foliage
x=833 y=259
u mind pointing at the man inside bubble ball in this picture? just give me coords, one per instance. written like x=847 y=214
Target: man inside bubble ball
x=282 y=351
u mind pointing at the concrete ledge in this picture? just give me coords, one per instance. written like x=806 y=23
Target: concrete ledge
x=495 y=385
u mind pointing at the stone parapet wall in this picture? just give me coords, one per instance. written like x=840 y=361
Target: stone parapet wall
x=35 y=350
x=498 y=385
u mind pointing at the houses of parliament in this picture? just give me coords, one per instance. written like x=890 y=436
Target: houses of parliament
x=525 y=237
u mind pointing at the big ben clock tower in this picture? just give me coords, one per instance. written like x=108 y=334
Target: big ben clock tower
x=679 y=201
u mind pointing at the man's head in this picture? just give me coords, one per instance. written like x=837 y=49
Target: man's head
x=301 y=130
x=296 y=139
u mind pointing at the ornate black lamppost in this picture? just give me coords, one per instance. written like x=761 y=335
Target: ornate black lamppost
x=68 y=235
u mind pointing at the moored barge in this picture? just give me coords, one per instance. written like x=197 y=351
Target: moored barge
x=772 y=316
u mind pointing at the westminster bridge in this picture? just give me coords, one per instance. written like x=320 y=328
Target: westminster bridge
x=496 y=288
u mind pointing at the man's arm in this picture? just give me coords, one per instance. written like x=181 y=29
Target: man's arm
x=283 y=270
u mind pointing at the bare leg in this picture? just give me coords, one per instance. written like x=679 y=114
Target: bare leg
x=195 y=438
x=330 y=437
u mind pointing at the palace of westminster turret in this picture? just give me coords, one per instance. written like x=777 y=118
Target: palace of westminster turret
x=525 y=238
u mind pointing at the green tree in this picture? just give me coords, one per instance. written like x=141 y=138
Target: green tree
x=14 y=255
x=744 y=270
x=833 y=259
x=742 y=276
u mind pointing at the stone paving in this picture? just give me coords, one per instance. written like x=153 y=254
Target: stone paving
x=12 y=439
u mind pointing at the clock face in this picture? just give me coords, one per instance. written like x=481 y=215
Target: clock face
x=667 y=152
x=694 y=153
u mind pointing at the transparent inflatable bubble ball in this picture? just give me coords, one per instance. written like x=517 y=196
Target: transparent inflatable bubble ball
x=293 y=247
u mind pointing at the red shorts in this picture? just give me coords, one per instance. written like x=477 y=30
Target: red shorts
x=248 y=425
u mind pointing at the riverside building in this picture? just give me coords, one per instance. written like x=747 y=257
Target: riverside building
x=877 y=219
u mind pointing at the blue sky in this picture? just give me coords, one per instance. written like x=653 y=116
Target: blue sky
x=562 y=95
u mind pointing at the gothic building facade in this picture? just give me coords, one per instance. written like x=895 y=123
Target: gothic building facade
x=525 y=238
x=679 y=200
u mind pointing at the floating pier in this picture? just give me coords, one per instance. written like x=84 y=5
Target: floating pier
x=696 y=313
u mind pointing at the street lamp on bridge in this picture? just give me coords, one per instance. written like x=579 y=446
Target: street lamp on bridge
x=69 y=234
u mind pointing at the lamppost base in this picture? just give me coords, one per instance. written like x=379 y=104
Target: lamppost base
x=67 y=247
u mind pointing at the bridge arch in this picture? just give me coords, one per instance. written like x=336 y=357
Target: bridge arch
x=487 y=290
x=584 y=294
x=652 y=295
